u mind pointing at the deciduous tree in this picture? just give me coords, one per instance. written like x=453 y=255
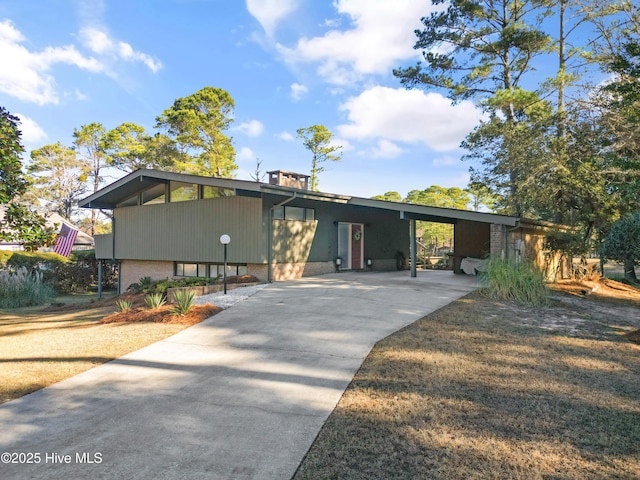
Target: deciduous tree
x=59 y=177
x=88 y=141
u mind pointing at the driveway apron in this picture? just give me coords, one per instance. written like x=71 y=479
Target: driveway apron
x=241 y=395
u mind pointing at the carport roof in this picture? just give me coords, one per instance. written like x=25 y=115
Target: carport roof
x=143 y=179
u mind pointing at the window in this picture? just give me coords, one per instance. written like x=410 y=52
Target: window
x=294 y=213
x=129 y=202
x=154 y=195
x=209 y=191
x=208 y=270
x=182 y=192
x=278 y=213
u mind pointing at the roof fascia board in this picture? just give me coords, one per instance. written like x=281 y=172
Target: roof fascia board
x=159 y=176
x=451 y=214
x=305 y=194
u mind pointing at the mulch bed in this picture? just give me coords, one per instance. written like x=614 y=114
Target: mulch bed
x=197 y=314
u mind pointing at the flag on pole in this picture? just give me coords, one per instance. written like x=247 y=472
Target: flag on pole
x=65 y=240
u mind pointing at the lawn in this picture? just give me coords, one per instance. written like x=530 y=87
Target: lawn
x=489 y=390
x=39 y=347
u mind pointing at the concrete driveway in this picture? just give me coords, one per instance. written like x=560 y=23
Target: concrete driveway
x=239 y=396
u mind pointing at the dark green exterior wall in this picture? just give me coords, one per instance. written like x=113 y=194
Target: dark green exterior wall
x=384 y=232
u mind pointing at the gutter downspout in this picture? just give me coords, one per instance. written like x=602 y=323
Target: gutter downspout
x=270 y=242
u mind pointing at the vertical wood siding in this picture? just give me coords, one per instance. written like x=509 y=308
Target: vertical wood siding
x=190 y=231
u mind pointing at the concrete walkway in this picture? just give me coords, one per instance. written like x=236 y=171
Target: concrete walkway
x=240 y=396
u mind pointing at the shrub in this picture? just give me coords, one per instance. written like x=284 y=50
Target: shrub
x=146 y=285
x=124 y=304
x=623 y=244
x=155 y=300
x=73 y=277
x=23 y=289
x=35 y=260
x=184 y=300
x=522 y=282
x=78 y=273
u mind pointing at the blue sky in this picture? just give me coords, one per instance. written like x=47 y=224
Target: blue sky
x=287 y=63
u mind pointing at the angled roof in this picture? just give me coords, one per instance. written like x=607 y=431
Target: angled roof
x=143 y=179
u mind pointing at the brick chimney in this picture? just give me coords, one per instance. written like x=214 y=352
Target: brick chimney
x=289 y=179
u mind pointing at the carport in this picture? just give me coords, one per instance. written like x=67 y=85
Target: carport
x=476 y=234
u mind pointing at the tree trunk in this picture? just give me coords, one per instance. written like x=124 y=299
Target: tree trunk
x=629 y=269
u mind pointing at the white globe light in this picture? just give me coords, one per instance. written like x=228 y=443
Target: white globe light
x=225 y=239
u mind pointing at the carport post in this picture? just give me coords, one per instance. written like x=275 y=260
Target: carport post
x=414 y=246
x=99 y=279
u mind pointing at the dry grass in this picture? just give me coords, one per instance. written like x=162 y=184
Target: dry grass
x=489 y=390
x=39 y=348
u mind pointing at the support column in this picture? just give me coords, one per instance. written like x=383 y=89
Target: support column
x=414 y=246
x=99 y=279
x=499 y=245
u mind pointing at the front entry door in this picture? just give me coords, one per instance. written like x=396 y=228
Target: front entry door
x=351 y=245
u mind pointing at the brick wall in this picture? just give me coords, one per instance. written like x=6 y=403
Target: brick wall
x=258 y=270
x=498 y=233
x=133 y=270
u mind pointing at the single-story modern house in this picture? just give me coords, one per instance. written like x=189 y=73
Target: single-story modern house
x=168 y=225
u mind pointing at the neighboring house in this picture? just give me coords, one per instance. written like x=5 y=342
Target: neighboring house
x=54 y=220
x=168 y=225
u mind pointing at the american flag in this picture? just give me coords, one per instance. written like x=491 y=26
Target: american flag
x=65 y=240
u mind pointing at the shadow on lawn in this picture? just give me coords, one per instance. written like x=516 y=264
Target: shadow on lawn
x=467 y=392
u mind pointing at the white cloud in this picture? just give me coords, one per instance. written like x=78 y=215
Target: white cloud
x=245 y=153
x=381 y=37
x=286 y=136
x=298 y=91
x=410 y=116
x=269 y=12
x=386 y=149
x=32 y=133
x=25 y=74
x=100 y=43
x=252 y=128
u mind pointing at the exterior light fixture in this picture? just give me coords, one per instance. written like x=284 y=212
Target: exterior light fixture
x=338 y=263
x=225 y=240
x=369 y=262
